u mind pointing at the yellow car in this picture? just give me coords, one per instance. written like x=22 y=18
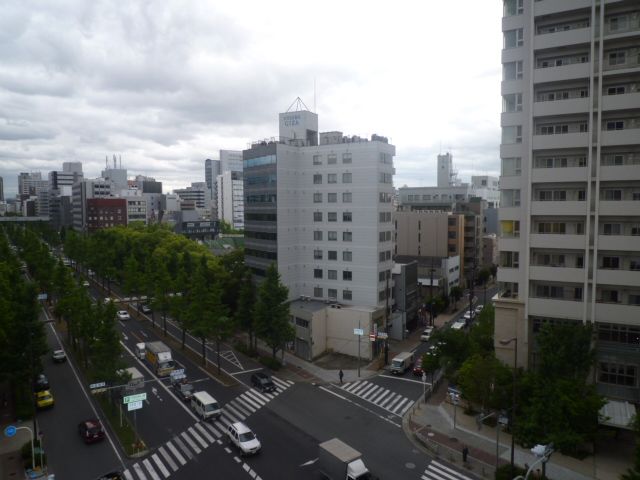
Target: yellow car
x=44 y=399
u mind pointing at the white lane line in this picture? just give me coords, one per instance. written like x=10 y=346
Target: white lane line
x=380 y=398
x=245 y=405
x=371 y=392
x=402 y=378
x=264 y=396
x=198 y=438
x=250 y=401
x=227 y=449
x=138 y=469
x=360 y=406
x=150 y=469
x=247 y=371
x=235 y=411
x=246 y=467
x=259 y=399
x=176 y=453
x=399 y=406
x=204 y=432
x=183 y=447
x=237 y=460
x=127 y=475
x=168 y=459
x=160 y=465
x=191 y=443
x=240 y=407
x=447 y=469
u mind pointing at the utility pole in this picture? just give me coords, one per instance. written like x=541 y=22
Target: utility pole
x=431 y=294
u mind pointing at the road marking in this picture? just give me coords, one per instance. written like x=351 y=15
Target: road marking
x=183 y=447
x=399 y=406
x=198 y=438
x=227 y=449
x=380 y=398
x=138 y=469
x=168 y=459
x=191 y=443
x=127 y=475
x=237 y=460
x=377 y=389
x=228 y=416
x=253 y=395
x=246 y=371
x=150 y=469
x=144 y=334
x=401 y=378
x=282 y=383
x=233 y=410
x=239 y=406
x=230 y=356
x=246 y=467
x=213 y=430
x=250 y=401
x=176 y=453
x=360 y=406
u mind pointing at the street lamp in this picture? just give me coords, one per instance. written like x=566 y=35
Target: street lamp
x=543 y=452
x=513 y=403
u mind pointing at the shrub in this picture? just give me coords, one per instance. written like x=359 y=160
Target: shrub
x=270 y=362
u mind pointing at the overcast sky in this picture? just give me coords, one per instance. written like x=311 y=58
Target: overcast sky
x=167 y=84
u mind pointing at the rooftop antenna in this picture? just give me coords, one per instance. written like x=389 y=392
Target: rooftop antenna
x=314 y=95
x=106 y=161
x=299 y=106
x=114 y=160
x=120 y=160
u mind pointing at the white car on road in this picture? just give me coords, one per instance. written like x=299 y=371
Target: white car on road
x=243 y=438
x=123 y=315
x=426 y=334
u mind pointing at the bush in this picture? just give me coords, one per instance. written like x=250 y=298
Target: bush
x=243 y=348
x=25 y=453
x=270 y=362
x=23 y=397
x=504 y=472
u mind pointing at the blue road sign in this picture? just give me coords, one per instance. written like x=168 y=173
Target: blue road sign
x=10 y=431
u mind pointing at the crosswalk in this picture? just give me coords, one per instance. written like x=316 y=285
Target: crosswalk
x=438 y=471
x=380 y=396
x=184 y=446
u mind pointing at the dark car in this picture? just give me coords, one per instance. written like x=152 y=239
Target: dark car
x=111 y=476
x=184 y=390
x=91 y=430
x=263 y=382
x=41 y=383
x=417 y=367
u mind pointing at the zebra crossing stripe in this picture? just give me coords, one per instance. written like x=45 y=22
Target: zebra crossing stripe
x=240 y=407
x=160 y=465
x=444 y=468
x=138 y=469
x=213 y=429
x=371 y=392
x=240 y=401
x=204 y=432
x=256 y=397
x=198 y=438
x=250 y=401
x=168 y=459
x=399 y=406
x=127 y=475
x=441 y=475
x=380 y=398
x=407 y=407
x=350 y=386
x=176 y=453
x=363 y=387
x=235 y=410
x=229 y=417
x=281 y=383
x=183 y=447
x=150 y=469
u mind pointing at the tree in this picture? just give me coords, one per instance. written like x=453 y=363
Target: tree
x=481 y=334
x=244 y=313
x=483 y=277
x=199 y=312
x=485 y=381
x=430 y=364
x=456 y=294
x=272 y=311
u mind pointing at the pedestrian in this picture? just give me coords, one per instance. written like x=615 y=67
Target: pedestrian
x=341 y=374
x=465 y=454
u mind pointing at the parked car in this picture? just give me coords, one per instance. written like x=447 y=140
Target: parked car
x=417 y=367
x=479 y=309
x=146 y=309
x=85 y=283
x=41 y=383
x=184 y=390
x=58 y=356
x=263 y=382
x=44 y=399
x=426 y=334
x=123 y=315
x=91 y=430
x=243 y=438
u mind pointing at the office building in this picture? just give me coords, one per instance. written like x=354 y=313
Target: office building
x=81 y=192
x=196 y=193
x=60 y=193
x=211 y=172
x=230 y=202
x=105 y=213
x=230 y=161
x=26 y=183
x=570 y=186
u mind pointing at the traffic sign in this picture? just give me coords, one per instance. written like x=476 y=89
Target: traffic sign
x=358 y=331
x=134 y=405
x=97 y=385
x=42 y=296
x=10 y=431
x=372 y=337
x=383 y=335
x=134 y=398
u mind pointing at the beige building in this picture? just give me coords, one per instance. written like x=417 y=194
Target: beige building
x=570 y=185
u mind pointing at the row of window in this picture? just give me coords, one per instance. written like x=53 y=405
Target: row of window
x=262 y=198
x=332 y=293
x=347 y=197
x=258 y=161
x=347 y=275
x=332 y=178
x=332 y=158
x=347 y=256
x=512 y=166
x=251 y=252
x=617 y=374
x=435 y=196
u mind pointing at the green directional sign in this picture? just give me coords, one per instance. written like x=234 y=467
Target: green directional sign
x=134 y=398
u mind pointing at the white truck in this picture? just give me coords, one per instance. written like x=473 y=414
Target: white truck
x=338 y=461
x=402 y=362
x=159 y=357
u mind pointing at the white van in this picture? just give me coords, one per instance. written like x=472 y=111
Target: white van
x=205 y=405
x=141 y=351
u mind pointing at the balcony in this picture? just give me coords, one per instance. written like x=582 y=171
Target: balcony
x=619 y=207
x=621 y=102
x=619 y=242
x=618 y=172
x=566 y=38
x=510 y=244
x=547 y=7
x=561 y=107
x=565 y=72
x=567 y=174
x=509 y=274
x=627 y=136
x=510 y=213
x=629 y=278
x=551 y=307
x=550 y=240
x=557 y=274
x=566 y=140
x=558 y=208
x=616 y=312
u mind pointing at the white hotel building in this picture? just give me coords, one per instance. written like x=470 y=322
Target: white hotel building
x=570 y=184
x=322 y=211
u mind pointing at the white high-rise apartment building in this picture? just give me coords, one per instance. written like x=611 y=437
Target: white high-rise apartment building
x=230 y=190
x=570 y=184
x=321 y=211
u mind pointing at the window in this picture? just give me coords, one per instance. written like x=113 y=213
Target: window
x=615 y=125
x=618 y=23
x=635 y=230
x=347 y=256
x=317 y=198
x=513 y=7
x=332 y=274
x=347 y=236
x=332 y=293
x=381 y=276
x=300 y=322
x=332 y=216
x=612 y=229
x=317 y=273
x=618 y=58
x=332 y=255
x=347 y=295
x=332 y=197
x=513 y=38
x=611 y=262
x=512 y=70
x=347 y=197
x=512 y=103
x=317 y=159
x=582 y=195
x=511 y=167
x=332 y=159
x=512 y=134
x=617 y=374
x=317 y=292
x=317 y=235
x=317 y=254
x=347 y=216
x=381 y=237
x=317 y=179
x=618 y=90
x=332 y=178
x=317 y=216
x=346 y=158
x=346 y=178
x=611 y=194
x=560 y=195
x=332 y=236
x=347 y=275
